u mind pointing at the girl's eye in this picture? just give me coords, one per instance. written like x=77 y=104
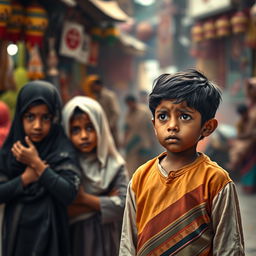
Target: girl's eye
x=74 y=130
x=89 y=128
x=162 y=117
x=29 y=117
x=185 y=117
x=47 y=117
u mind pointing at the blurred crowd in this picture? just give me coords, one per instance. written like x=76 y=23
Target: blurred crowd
x=233 y=147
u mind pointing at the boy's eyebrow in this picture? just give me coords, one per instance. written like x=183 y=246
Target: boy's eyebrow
x=185 y=109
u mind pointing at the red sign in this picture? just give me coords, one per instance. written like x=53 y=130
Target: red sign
x=73 y=38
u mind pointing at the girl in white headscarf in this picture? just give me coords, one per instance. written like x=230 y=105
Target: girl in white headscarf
x=96 y=214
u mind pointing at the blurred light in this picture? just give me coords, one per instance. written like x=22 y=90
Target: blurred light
x=184 y=41
x=12 y=49
x=145 y=2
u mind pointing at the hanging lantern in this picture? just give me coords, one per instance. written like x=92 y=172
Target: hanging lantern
x=239 y=22
x=5 y=12
x=35 y=24
x=16 y=22
x=111 y=34
x=223 y=26
x=209 y=30
x=197 y=33
x=96 y=33
x=250 y=38
x=253 y=13
x=35 y=64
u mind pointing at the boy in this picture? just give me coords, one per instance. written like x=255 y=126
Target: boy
x=182 y=203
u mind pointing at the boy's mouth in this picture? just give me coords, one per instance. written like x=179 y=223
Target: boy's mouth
x=172 y=138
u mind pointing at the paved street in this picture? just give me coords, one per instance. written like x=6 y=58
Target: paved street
x=248 y=210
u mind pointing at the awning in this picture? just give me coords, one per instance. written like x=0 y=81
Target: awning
x=103 y=10
x=132 y=44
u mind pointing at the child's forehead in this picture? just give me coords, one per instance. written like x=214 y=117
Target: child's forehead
x=174 y=103
x=81 y=116
x=37 y=107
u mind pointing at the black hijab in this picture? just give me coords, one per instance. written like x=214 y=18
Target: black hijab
x=35 y=203
x=55 y=147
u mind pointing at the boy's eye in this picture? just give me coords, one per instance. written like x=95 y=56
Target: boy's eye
x=162 y=117
x=185 y=117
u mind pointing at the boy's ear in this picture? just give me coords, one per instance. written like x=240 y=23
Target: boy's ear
x=209 y=127
x=153 y=122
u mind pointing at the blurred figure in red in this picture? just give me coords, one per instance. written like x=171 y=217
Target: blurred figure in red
x=5 y=121
x=243 y=154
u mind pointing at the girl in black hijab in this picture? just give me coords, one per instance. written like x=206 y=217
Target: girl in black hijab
x=38 y=176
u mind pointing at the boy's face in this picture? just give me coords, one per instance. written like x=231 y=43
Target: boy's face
x=82 y=133
x=37 y=121
x=177 y=126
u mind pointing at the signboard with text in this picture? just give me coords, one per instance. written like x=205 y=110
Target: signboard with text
x=205 y=8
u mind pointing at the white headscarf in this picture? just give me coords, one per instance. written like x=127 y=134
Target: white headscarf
x=99 y=169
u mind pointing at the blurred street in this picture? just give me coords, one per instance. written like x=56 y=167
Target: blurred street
x=248 y=206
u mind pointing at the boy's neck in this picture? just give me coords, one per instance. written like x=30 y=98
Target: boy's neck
x=175 y=161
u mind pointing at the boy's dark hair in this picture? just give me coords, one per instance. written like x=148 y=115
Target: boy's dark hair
x=190 y=86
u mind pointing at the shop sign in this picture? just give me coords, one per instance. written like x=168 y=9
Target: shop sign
x=206 y=8
x=71 y=39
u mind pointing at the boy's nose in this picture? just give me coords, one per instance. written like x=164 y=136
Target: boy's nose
x=173 y=125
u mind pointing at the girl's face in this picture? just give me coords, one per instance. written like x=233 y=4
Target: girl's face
x=82 y=133
x=178 y=127
x=37 y=121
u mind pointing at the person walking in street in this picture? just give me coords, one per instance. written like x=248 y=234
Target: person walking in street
x=181 y=202
x=242 y=153
x=96 y=214
x=38 y=176
x=109 y=102
x=139 y=141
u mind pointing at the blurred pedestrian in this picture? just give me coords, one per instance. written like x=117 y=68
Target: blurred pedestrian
x=242 y=110
x=181 y=202
x=109 y=102
x=139 y=140
x=243 y=154
x=38 y=176
x=5 y=121
x=96 y=214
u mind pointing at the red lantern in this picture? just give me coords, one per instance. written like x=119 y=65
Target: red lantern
x=144 y=31
x=16 y=22
x=209 y=30
x=239 y=22
x=35 y=24
x=5 y=12
x=197 y=33
x=223 y=26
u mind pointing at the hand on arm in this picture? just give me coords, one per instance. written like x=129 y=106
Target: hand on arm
x=28 y=176
x=87 y=199
x=29 y=156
